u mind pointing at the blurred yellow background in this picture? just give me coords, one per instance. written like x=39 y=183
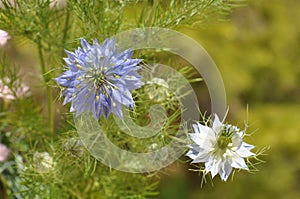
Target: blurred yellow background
x=258 y=55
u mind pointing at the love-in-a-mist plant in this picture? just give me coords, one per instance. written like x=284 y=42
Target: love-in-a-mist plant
x=99 y=79
x=220 y=147
x=74 y=61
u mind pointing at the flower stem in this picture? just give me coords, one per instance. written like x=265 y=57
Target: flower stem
x=65 y=30
x=152 y=14
x=48 y=88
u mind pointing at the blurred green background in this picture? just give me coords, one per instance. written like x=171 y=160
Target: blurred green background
x=257 y=53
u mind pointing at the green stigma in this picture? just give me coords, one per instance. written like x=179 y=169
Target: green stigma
x=98 y=78
x=225 y=137
x=223 y=141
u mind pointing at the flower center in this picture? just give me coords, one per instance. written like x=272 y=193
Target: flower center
x=223 y=141
x=98 y=78
x=225 y=137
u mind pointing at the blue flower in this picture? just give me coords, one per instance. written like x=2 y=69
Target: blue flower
x=99 y=79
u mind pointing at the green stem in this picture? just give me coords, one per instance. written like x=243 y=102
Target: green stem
x=65 y=30
x=152 y=14
x=48 y=88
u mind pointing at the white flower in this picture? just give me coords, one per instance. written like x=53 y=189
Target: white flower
x=4 y=152
x=43 y=162
x=157 y=89
x=220 y=147
x=4 y=36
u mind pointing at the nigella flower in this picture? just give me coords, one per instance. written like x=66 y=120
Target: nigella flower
x=157 y=89
x=43 y=162
x=220 y=147
x=99 y=79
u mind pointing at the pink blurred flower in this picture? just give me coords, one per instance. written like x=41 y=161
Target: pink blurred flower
x=7 y=93
x=4 y=36
x=4 y=152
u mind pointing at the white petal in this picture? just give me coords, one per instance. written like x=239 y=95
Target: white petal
x=208 y=165
x=217 y=125
x=203 y=129
x=244 y=150
x=196 y=129
x=213 y=166
x=195 y=149
x=247 y=146
x=192 y=154
x=208 y=145
x=207 y=132
x=203 y=156
x=236 y=141
x=239 y=163
x=241 y=133
x=204 y=141
x=197 y=138
x=225 y=170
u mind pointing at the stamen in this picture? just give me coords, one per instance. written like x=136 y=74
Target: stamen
x=78 y=66
x=116 y=76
